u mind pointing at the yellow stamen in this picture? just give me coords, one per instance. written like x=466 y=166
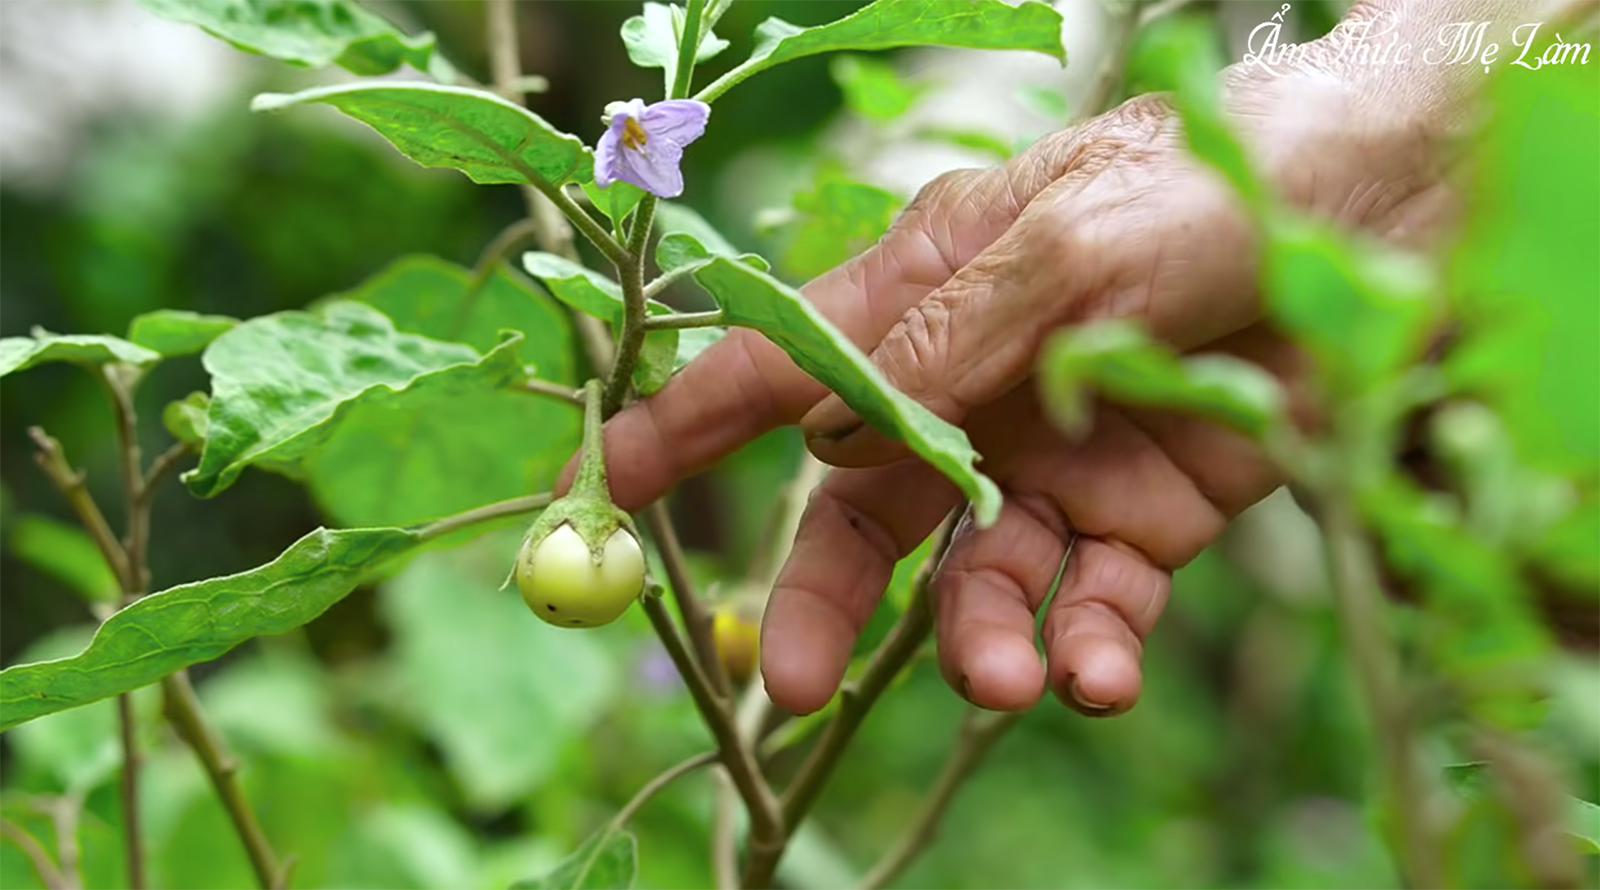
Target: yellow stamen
x=633 y=135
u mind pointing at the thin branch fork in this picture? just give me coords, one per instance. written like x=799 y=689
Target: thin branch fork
x=38 y=856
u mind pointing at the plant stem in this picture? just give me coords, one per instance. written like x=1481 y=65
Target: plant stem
x=724 y=833
x=496 y=510
x=551 y=230
x=692 y=612
x=590 y=481
x=630 y=275
x=554 y=390
x=182 y=710
x=855 y=702
x=38 y=857
x=164 y=464
x=688 y=49
x=70 y=483
x=652 y=787
x=1104 y=89
x=766 y=822
x=1377 y=668
x=681 y=320
x=977 y=735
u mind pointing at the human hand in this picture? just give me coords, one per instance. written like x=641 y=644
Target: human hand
x=1111 y=218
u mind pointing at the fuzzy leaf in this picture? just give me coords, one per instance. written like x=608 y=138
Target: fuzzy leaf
x=652 y=41
x=886 y=24
x=753 y=299
x=480 y=134
x=282 y=383
x=307 y=33
x=191 y=623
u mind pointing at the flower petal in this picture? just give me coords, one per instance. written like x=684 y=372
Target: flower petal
x=607 y=155
x=654 y=169
x=678 y=120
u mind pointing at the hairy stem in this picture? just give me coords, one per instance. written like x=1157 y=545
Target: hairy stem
x=630 y=275
x=688 y=48
x=681 y=320
x=182 y=709
x=652 y=787
x=693 y=613
x=497 y=510
x=977 y=735
x=591 y=479
x=1378 y=674
x=766 y=822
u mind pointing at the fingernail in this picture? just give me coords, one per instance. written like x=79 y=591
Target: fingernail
x=839 y=434
x=1072 y=690
x=966 y=688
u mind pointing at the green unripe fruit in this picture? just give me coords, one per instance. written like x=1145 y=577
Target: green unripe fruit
x=566 y=583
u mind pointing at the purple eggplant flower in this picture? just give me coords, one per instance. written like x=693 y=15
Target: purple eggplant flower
x=643 y=144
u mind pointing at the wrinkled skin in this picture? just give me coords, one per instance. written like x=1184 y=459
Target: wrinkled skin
x=1111 y=218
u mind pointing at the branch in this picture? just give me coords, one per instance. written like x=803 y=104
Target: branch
x=855 y=702
x=551 y=230
x=688 y=49
x=496 y=510
x=554 y=390
x=659 y=782
x=725 y=834
x=136 y=537
x=765 y=816
x=977 y=735
x=690 y=609
x=182 y=710
x=1378 y=674
x=159 y=469
x=37 y=855
x=1104 y=89
x=69 y=482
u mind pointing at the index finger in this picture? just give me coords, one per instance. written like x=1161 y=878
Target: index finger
x=745 y=385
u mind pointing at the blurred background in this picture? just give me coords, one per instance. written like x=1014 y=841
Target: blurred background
x=425 y=733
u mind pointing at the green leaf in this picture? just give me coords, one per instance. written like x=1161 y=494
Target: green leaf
x=1524 y=272
x=501 y=693
x=652 y=40
x=835 y=221
x=409 y=844
x=608 y=860
x=617 y=201
x=886 y=24
x=79 y=748
x=1362 y=312
x=191 y=623
x=186 y=419
x=753 y=299
x=1119 y=358
x=282 y=384
x=594 y=294
x=871 y=87
x=672 y=217
x=977 y=141
x=22 y=353
x=307 y=33
x=175 y=332
x=677 y=250
x=1045 y=102
x=480 y=134
x=66 y=553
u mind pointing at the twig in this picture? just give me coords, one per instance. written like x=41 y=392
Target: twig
x=725 y=833
x=166 y=462
x=70 y=483
x=977 y=735
x=555 y=390
x=38 y=857
x=133 y=835
x=765 y=815
x=690 y=609
x=496 y=510
x=661 y=781
x=855 y=702
x=679 y=321
x=1104 y=89
x=182 y=709
x=64 y=813
x=1377 y=671
x=551 y=229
